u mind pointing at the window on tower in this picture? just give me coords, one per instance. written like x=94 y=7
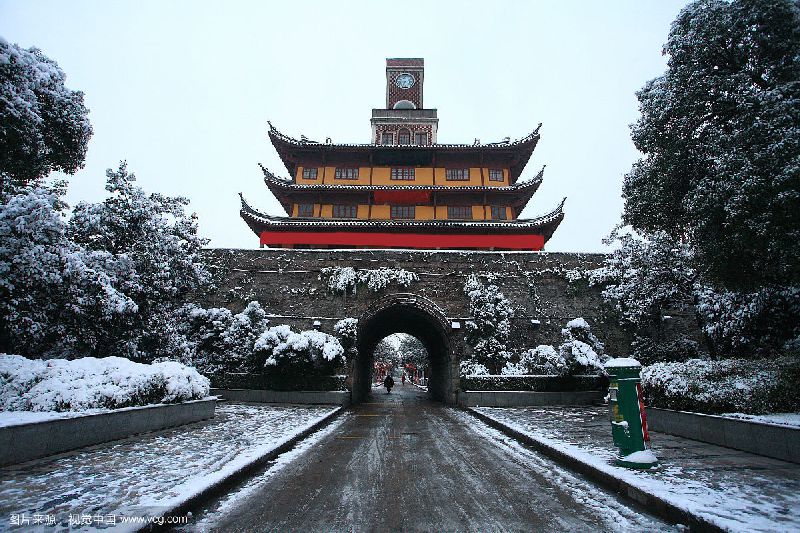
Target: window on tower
x=346 y=174
x=305 y=210
x=404 y=137
x=496 y=174
x=403 y=211
x=498 y=213
x=457 y=174
x=345 y=211
x=309 y=173
x=421 y=139
x=403 y=173
x=462 y=212
x=387 y=138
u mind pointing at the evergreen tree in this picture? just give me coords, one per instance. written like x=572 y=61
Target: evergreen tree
x=490 y=327
x=720 y=131
x=160 y=239
x=43 y=125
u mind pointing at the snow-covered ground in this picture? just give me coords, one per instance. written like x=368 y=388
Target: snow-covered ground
x=735 y=490
x=146 y=474
x=781 y=419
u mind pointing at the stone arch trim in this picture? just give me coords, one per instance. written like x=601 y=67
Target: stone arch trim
x=429 y=324
x=406 y=300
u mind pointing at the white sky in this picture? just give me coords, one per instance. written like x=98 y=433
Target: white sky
x=183 y=89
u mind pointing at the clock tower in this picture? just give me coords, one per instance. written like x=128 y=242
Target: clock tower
x=404 y=121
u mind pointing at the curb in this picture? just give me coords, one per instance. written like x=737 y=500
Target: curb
x=221 y=485
x=649 y=500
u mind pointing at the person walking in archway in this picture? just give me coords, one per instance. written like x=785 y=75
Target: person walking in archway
x=388 y=382
x=403 y=379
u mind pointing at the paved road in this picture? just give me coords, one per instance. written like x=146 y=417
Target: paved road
x=401 y=462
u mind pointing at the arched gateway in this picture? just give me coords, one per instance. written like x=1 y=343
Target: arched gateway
x=418 y=316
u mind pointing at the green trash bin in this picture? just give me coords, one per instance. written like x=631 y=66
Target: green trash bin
x=626 y=411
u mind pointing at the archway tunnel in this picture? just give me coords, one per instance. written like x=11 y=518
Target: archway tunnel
x=412 y=320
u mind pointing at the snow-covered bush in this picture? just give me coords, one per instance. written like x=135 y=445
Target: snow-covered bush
x=472 y=368
x=544 y=360
x=345 y=280
x=219 y=340
x=581 y=351
x=347 y=330
x=308 y=352
x=87 y=383
x=732 y=385
x=488 y=331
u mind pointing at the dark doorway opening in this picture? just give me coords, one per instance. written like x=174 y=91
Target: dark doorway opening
x=403 y=315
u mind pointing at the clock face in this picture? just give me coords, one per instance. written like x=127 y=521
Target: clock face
x=404 y=80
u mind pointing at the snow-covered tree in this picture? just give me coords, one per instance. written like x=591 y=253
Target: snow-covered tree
x=56 y=297
x=720 y=134
x=490 y=327
x=154 y=233
x=304 y=353
x=43 y=125
x=644 y=277
x=751 y=323
x=413 y=351
x=386 y=350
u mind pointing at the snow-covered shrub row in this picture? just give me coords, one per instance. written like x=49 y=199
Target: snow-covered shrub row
x=731 y=385
x=537 y=383
x=311 y=351
x=488 y=331
x=345 y=280
x=89 y=383
x=581 y=352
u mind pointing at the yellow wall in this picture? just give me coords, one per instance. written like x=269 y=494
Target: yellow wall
x=302 y=181
x=382 y=176
x=381 y=212
x=422 y=212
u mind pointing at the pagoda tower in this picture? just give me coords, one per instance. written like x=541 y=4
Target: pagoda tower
x=403 y=189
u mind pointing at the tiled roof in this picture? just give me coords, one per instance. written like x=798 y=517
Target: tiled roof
x=252 y=215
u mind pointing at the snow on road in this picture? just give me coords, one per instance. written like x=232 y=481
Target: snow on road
x=144 y=474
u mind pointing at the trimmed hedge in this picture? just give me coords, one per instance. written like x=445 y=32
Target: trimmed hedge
x=232 y=380
x=534 y=383
x=725 y=386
